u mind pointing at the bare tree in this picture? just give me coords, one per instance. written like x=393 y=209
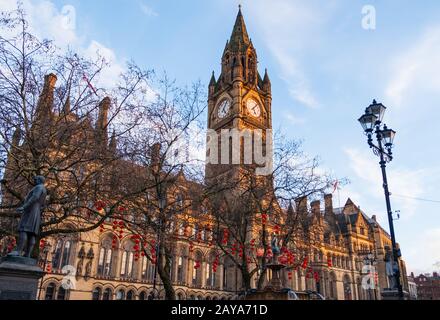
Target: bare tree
x=55 y=122
x=157 y=194
x=261 y=206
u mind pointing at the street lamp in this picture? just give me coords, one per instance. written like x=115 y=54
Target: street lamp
x=371 y=122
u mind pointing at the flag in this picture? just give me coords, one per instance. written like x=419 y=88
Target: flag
x=89 y=84
x=335 y=186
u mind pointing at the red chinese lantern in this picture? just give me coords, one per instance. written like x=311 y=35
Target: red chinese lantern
x=316 y=276
x=260 y=252
x=305 y=263
x=329 y=262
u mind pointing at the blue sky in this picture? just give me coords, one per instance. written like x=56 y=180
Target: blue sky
x=325 y=70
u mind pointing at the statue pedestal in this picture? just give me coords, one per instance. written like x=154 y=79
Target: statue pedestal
x=274 y=289
x=392 y=294
x=19 y=278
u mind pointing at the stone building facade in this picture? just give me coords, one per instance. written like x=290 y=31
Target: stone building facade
x=428 y=286
x=346 y=242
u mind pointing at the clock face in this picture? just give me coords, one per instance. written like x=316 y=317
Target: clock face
x=223 y=108
x=253 y=108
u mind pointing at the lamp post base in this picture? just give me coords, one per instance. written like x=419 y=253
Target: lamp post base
x=391 y=294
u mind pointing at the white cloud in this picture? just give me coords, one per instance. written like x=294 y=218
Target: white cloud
x=285 y=26
x=147 y=10
x=402 y=181
x=109 y=75
x=49 y=22
x=417 y=68
x=293 y=119
x=426 y=254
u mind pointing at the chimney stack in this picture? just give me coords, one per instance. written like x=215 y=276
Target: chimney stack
x=45 y=102
x=301 y=205
x=102 y=122
x=155 y=156
x=328 y=199
x=316 y=207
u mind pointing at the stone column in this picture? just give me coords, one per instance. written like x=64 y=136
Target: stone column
x=189 y=272
x=340 y=290
x=203 y=275
x=174 y=272
x=220 y=275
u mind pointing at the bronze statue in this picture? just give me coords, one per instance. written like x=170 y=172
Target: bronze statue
x=29 y=226
x=390 y=268
x=275 y=248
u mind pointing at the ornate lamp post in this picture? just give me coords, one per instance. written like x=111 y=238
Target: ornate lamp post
x=371 y=121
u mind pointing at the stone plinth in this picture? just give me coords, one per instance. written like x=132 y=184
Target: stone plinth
x=275 y=284
x=394 y=295
x=274 y=290
x=19 y=278
x=268 y=295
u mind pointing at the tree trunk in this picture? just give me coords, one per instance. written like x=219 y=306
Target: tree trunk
x=261 y=279
x=246 y=278
x=163 y=268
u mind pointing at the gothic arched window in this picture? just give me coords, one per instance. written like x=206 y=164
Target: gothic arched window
x=197 y=270
x=105 y=260
x=347 y=288
x=62 y=294
x=211 y=278
x=130 y=295
x=120 y=295
x=180 y=273
x=127 y=264
x=50 y=291
x=108 y=294
x=333 y=289
x=96 y=294
x=148 y=269
x=61 y=254
x=143 y=295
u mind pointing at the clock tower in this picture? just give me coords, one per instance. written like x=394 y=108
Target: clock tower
x=238 y=100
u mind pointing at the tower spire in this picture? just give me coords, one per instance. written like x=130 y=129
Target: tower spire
x=239 y=36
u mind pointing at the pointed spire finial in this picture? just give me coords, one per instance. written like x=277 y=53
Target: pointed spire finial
x=239 y=33
x=213 y=81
